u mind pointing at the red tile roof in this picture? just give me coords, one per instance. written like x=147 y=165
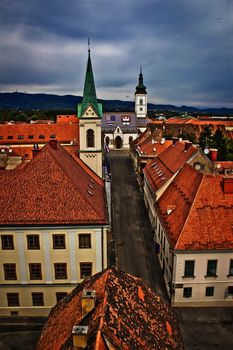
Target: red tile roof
x=53 y=188
x=21 y=133
x=202 y=210
x=127 y=315
x=161 y=169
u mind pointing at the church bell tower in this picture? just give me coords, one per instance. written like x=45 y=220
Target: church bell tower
x=90 y=114
x=140 y=98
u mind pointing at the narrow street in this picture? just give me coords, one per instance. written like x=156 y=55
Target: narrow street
x=131 y=226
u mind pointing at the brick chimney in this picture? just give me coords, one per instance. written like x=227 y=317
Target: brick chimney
x=213 y=154
x=228 y=185
x=88 y=301
x=79 y=334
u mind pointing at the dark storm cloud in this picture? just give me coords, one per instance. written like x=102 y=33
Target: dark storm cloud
x=185 y=47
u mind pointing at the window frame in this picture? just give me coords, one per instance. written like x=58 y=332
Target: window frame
x=33 y=242
x=208 y=273
x=187 y=292
x=58 y=273
x=58 y=239
x=9 y=242
x=12 y=274
x=60 y=296
x=37 y=299
x=230 y=268
x=187 y=269
x=14 y=296
x=35 y=271
x=85 y=237
x=82 y=266
x=208 y=293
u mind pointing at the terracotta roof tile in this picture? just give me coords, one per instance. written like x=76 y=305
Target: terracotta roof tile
x=201 y=211
x=161 y=169
x=53 y=188
x=127 y=315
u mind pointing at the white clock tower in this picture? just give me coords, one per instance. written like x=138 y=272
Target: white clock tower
x=140 y=98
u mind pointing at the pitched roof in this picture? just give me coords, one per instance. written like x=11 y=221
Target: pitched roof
x=111 y=120
x=25 y=133
x=53 y=188
x=199 y=209
x=161 y=169
x=127 y=315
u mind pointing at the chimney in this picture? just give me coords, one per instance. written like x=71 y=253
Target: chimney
x=88 y=301
x=213 y=154
x=174 y=140
x=35 y=150
x=228 y=185
x=53 y=143
x=79 y=334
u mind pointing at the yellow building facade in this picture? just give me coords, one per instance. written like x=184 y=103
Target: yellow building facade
x=39 y=267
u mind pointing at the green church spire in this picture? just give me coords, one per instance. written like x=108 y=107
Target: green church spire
x=89 y=93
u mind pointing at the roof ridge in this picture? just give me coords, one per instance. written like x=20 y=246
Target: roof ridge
x=194 y=199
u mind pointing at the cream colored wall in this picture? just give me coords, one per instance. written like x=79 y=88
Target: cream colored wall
x=92 y=156
x=143 y=113
x=72 y=255
x=200 y=282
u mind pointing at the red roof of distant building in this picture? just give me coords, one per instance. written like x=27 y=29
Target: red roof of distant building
x=127 y=315
x=161 y=169
x=53 y=188
x=201 y=209
x=39 y=133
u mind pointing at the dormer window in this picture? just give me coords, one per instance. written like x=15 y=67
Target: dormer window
x=31 y=136
x=10 y=137
x=41 y=136
x=20 y=137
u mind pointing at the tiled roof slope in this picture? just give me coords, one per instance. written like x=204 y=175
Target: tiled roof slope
x=161 y=169
x=127 y=315
x=53 y=188
x=199 y=210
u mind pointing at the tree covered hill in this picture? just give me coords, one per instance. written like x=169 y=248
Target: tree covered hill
x=20 y=100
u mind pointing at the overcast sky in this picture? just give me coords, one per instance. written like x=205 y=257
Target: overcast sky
x=184 y=46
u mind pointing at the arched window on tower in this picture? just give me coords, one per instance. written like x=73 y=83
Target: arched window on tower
x=90 y=138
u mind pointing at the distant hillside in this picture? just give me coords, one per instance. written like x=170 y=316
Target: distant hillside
x=19 y=100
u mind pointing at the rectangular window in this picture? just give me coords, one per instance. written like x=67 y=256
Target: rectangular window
x=10 y=271
x=60 y=271
x=52 y=136
x=141 y=101
x=41 y=136
x=35 y=271
x=212 y=268
x=20 y=137
x=10 y=137
x=85 y=270
x=189 y=268
x=231 y=268
x=59 y=242
x=1 y=137
x=31 y=137
x=37 y=299
x=230 y=290
x=187 y=292
x=7 y=242
x=84 y=240
x=209 y=291
x=60 y=296
x=33 y=241
x=12 y=299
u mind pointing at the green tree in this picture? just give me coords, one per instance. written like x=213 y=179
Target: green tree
x=206 y=138
x=221 y=144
